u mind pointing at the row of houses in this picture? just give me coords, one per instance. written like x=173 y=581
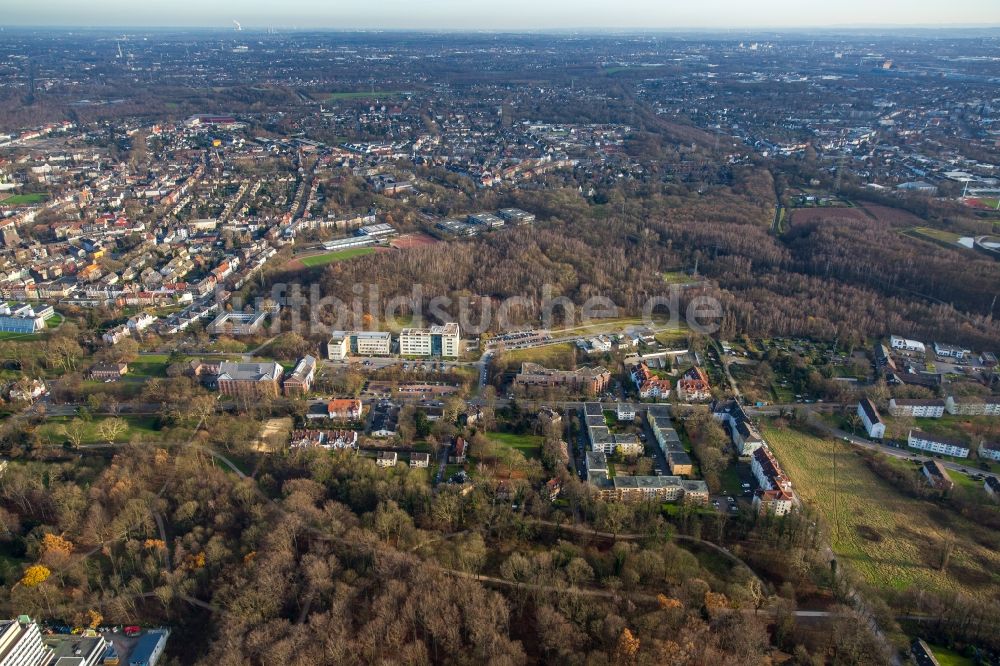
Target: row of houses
x=648 y=384
x=935 y=408
x=586 y=379
x=918 y=439
x=600 y=436
x=941 y=349
x=324 y=439
x=693 y=385
x=775 y=494
x=746 y=438
x=642 y=488
x=391 y=459
x=134 y=326
x=678 y=460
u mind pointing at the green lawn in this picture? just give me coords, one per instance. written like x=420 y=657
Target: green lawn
x=530 y=446
x=330 y=257
x=143 y=426
x=676 y=277
x=560 y=356
x=26 y=337
x=730 y=478
x=24 y=199
x=149 y=365
x=947 y=657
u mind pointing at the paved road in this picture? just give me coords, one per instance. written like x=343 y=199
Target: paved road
x=905 y=454
x=724 y=362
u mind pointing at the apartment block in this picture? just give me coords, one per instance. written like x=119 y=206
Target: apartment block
x=434 y=341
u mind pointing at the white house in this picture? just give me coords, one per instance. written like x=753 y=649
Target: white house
x=870 y=417
x=140 y=322
x=115 y=335
x=937 y=444
x=386 y=459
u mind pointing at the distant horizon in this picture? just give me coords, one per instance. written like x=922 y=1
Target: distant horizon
x=592 y=30
x=512 y=15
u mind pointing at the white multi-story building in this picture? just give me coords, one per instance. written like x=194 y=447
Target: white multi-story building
x=775 y=494
x=973 y=406
x=870 y=417
x=929 y=409
x=950 y=351
x=434 y=341
x=371 y=343
x=21 y=644
x=897 y=342
x=358 y=343
x=937 y=444
x=338 y=346
x=625 y=411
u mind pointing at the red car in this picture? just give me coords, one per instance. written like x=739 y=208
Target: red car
x=133 y=630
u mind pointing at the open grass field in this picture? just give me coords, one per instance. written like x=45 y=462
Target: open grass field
x=938 y=235
x=138 y=426
x=24 y=199
x=530 y=446
x=559 y=357
x=149 y=365
x=330 y=257
x=610 y=325
x=677 y=277
x=893 y=540
x=24 y=337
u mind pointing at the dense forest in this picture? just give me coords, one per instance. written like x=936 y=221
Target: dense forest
x=329 y=559
x=847 y=280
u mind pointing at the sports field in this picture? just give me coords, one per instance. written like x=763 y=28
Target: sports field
x=24 y=199
x=330 y=257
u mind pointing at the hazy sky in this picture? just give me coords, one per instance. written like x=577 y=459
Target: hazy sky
x=502 y=14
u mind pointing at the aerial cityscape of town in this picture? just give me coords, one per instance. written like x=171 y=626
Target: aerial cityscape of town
x=328 y=347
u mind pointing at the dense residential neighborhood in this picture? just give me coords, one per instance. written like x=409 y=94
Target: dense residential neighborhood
x=443 y=347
